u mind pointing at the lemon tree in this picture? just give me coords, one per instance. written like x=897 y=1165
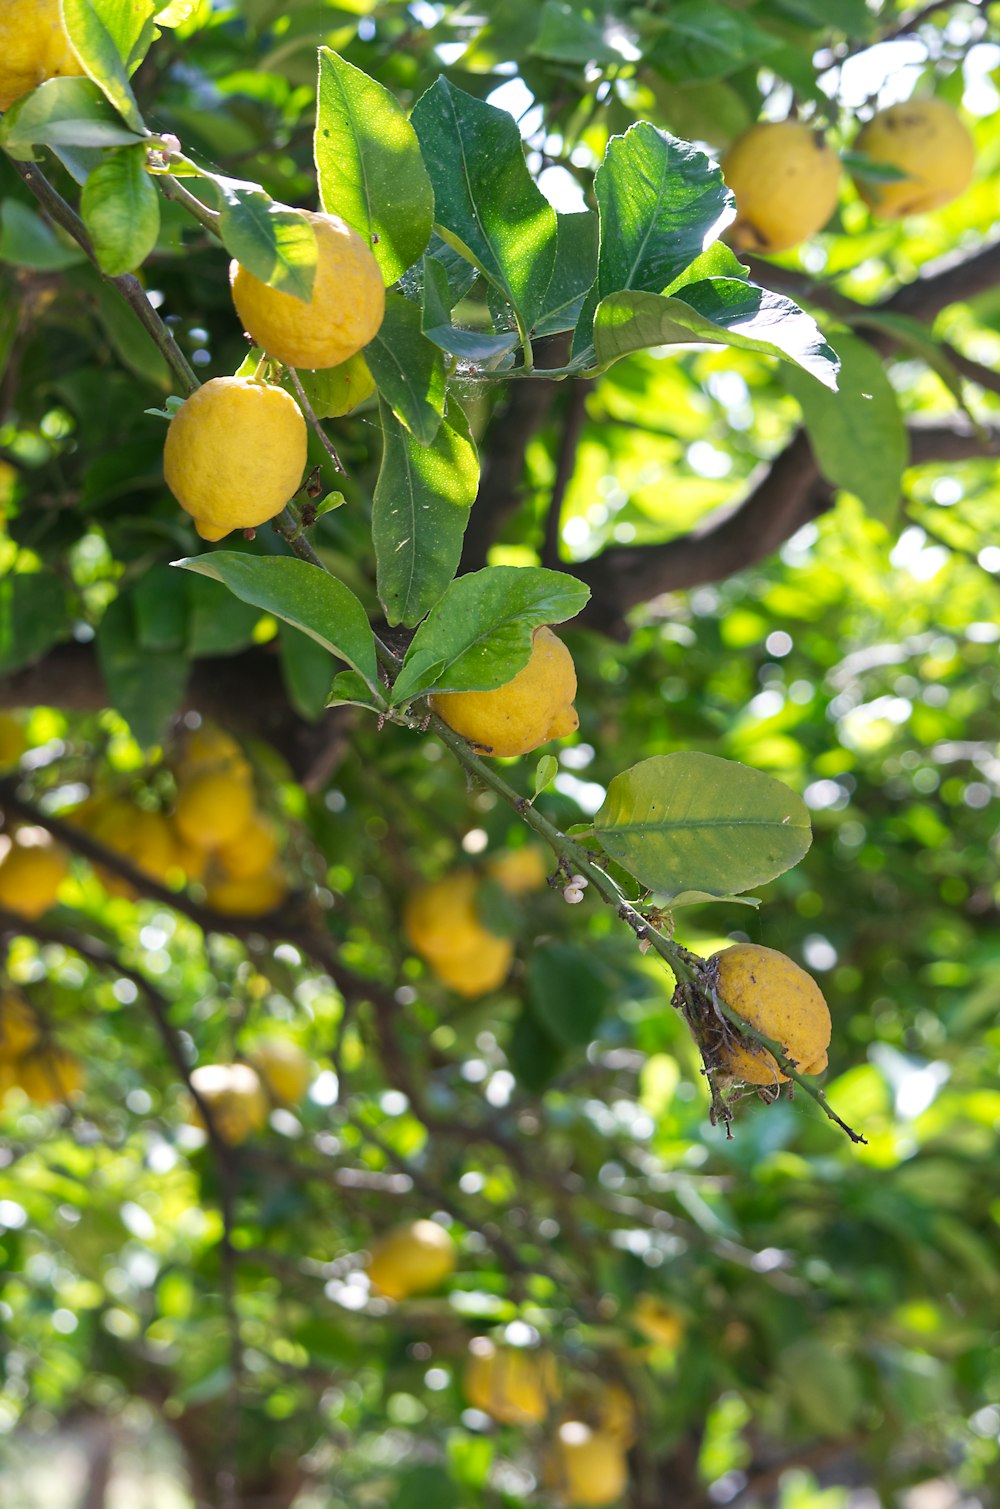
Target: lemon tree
x=498 y=773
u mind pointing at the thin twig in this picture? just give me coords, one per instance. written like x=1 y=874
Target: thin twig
x=310 y=414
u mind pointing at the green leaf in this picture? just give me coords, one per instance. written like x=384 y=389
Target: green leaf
x=703 y=40
x=218 y=623
x=717 y=312
x=275 y=243
x=573 y=274
x=478 y=636
x=860 y=165
x=699 y=898
x=34 y=614
x=567 y=36
x=408 y=369
x=146 y=686
x=305 y=670
x=351 y=690
x=479 y=346
x=533 y=1053
x=369 y=165
x=662 y=202
x=918 y=338
x=545 y=773
x=420 y=509
x=121 y=210
x=110 y=38
x=63 y=112
x=858 y=436
x=486 y=203
x=160 y=610
x=305 y=596
x=568 y=992
x=26 y=240
x=131 y=341
x=690 y=821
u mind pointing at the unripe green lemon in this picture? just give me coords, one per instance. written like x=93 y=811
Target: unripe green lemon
x=34 y=47
x=927 y=140
x=773 y=994
x=536 y=706
x=412 y=1259
x=342 y=315
x=235 y=454
x=786 y=181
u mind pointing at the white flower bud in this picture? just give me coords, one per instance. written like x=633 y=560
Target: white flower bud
x=580 y=882
x=572 y=894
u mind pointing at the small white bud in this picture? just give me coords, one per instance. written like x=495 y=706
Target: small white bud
x=580 y=881
x=572 y=894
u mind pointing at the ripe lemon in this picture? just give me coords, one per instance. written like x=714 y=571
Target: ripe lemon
x=514 y=1385
x=657 y=1321
x=586 y=1467
x=12 y=741
x=190 y=859
x=143 y=838
x=235 y=454
x=520 y=870
x=285 y=1071
x=31 y=872
x=343 y=314
x=251 y=852
x=19 y=1029
x=444 y=927
x=537 y=705
x=33 y=47
x=212 y=808
x=412 y=1259
x=211 y=748
x=253 y=897
x=786 y=180
x=927 y=140
x=49 y=1075
x=773 y=994
x=235 y=1099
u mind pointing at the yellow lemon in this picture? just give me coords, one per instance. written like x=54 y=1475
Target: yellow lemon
x=520 y=870
x=143 y=838
x=211 y=748
x=786 y=180
x=12 y=741
x=930 y=143
x=513 y=1384
x=445 y=929
x=49 y=1074
x=235 y=454
x=235 y=1099
x=412 y=1259
x=252 y=851
x=252 y=897
x=33 y=47
x=586 y=1467
x=31 y=872
x=212 y=808
x=657 y=1321
x=8 y=1075
x=343 y=314
x=285 y=1071
x=536 y=706
x=773 y=994
x=19 y=1028
x=190 y=859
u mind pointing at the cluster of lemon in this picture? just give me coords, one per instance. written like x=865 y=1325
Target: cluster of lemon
x=590 y=1424
x=31 y=1062
x=444 y=925
x=239 y=1096
x=786 y=176
x=32 y=867
x=215 y=833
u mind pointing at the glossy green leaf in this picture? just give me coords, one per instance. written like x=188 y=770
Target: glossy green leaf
x=704 y=40
x=408 y=369
x=63 y=112
x=306 y=672
x=486 y=203
x=573 y=274
x=478 y=636
x=26 y=240
x=110 y=38
x=34 y=614
x=689 y=821
x=305 y=596
x=145 y=685
x=567 y=34
x=121 y=210
x=479 y=346
x=369 y=165
x=421 y=507
x=275 y=243
x=858 y=435
x=717 y=312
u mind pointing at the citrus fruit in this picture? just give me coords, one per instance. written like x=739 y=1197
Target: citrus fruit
x=519 y=870
x=33 y=47
x=657 y=1321
x=235 y=1099
x=586 y=1467
x=786 y=180
x=19 y=1028
x=31 y=872
x=253 y=850
x=285 y=1071
x=537 y=705
x=252 y=897
x=235 y=454
x=445 y=929
x=515 y=1385
x=342 y=315
x=773 y=994
x=49 y=1074
x=212 y=808
x=929 y=141
x=412 y=1259
x=211 y=748
x=143 y=838
x=12 y=741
